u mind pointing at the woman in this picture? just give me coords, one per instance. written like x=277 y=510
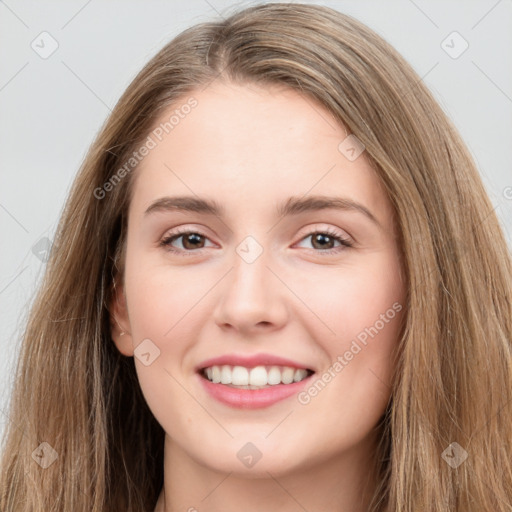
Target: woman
x=265 y=368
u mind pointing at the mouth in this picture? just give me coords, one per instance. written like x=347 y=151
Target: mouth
x=252 y=387
x=257 y=377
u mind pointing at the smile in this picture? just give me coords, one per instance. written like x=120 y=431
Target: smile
x=258 y=377
x=252 y=381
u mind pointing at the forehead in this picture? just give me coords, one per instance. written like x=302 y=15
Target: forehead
x=251 y=145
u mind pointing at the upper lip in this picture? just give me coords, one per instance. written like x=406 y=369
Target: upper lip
x=250 y=361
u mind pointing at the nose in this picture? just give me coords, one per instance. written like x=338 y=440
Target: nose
x=252 y=299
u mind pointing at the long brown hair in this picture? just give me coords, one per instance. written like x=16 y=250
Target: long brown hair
x=74 y=391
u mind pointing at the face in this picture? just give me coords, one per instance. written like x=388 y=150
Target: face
x=278 y=290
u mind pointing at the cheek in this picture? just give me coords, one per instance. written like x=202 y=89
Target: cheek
x=349 y=301
x=160 y=299
x=161 y=310
x=363 y=309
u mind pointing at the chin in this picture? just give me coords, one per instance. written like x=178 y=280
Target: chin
x=253 y=458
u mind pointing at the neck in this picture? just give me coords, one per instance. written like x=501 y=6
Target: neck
x=345 y=482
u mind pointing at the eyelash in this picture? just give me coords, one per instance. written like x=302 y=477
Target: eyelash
x=166 y=242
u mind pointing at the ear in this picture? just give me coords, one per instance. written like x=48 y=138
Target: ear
x=120 y=330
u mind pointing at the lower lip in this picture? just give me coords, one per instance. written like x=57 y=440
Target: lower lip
x=252 y=398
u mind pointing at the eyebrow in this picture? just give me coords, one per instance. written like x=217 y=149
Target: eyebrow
x=292 y=206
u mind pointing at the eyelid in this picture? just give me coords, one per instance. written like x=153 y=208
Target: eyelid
x=345 y=240
x=342 y=237
x=315 y=228
x=176 y=233
x=324 y=228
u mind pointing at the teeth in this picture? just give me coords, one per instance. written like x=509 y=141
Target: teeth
x=259 y=376
x=298 y=375
x=274 y=376
x=225 y=375
x=239 y=376
x=287 y=375
x=215 y=374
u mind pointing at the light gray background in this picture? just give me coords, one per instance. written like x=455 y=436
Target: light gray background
x=51 y=109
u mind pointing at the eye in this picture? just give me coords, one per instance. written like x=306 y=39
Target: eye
x=192 y=241
x=324 y=240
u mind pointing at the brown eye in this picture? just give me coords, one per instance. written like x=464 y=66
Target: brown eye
x=190 y=241
x=326 y=242
x=323 y=240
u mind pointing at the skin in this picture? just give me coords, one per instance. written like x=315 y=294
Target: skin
x=251 y=148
